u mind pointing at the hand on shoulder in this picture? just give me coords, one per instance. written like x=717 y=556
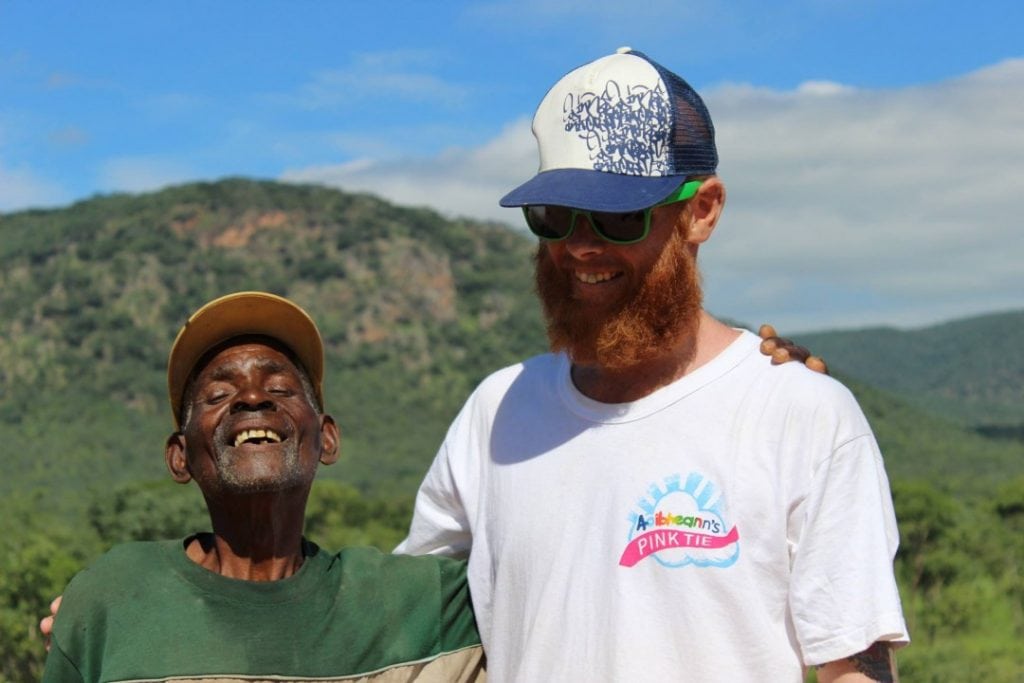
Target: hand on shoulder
x=46 y=623
x=784 y=350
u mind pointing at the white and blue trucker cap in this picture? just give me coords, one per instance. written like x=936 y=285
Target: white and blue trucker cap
x=618 y=134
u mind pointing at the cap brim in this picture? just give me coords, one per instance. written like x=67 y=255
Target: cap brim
x=235 y=315
x=593 y=190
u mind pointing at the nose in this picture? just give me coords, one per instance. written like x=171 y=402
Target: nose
x=252 y=399
x=584 y=242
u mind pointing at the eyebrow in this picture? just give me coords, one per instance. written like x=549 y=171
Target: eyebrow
x=228 y=371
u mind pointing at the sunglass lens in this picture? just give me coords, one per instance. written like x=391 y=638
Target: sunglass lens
x=619 y=227
x=549 y=222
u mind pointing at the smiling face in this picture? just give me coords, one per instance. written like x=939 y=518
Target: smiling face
x=616 y=306
x=251 y=424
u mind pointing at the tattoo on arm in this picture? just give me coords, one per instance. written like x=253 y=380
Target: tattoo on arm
x=877 y=663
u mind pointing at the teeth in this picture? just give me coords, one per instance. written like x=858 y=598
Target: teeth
x=256 y=434
x=594 y=278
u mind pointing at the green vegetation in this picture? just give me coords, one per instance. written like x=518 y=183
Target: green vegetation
x=415 y=309
x=971 y=370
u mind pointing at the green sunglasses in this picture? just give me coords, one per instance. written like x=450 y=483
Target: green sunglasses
x=554 y=223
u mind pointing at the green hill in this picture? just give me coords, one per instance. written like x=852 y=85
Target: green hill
x=415 y=309
x=919 y=445
x=969 y=370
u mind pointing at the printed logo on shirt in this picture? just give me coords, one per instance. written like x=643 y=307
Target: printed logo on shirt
x=681 y=523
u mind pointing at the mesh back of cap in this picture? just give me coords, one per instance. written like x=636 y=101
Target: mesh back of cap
x=692 y=149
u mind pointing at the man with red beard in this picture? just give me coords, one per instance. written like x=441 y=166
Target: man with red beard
x=653 y=499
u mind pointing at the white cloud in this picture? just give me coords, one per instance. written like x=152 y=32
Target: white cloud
x=458 y=182
x=846 y=206
x=142 y=174
x=897 y=198
x=401 y=74
x=823 y=88
x=20 y=189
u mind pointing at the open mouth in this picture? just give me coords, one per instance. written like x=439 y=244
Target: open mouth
x=256 y=437
x=594 y=278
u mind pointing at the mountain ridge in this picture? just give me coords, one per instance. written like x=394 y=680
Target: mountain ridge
x=414 y=308
x=940 y=367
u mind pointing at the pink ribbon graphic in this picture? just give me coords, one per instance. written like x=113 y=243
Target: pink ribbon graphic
x=663 y=539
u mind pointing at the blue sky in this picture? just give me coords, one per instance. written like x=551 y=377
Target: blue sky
x=873 y=151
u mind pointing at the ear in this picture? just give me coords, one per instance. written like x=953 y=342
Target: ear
x=174 y=456
x=330 y=438
x=705 y=210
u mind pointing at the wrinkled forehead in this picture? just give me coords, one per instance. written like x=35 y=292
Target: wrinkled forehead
x=247 y=351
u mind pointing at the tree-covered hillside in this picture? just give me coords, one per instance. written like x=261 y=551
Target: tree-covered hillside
x=970 y=370
x=415 y=309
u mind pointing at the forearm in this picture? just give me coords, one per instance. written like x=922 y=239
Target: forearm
x=877 y=663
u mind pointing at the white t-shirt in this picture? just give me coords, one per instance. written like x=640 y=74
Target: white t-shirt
x=735 y=525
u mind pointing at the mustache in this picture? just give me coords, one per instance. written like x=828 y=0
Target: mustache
x=660 y=312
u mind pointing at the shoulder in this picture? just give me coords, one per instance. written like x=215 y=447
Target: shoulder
x=402 y=572
x=543 y=366
x=796 y=382
x=420 y=605
x=792 y=381
x=123 y=562
x=109 y=580
x=430 y=590
x=401 y=579
x=794 y=395
x=526 y=377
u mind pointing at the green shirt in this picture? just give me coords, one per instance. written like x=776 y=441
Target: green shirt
x=145 y=612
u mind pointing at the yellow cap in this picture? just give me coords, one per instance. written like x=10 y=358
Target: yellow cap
x=240 y=314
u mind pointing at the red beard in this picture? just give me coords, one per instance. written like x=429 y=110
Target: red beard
x=655 y=317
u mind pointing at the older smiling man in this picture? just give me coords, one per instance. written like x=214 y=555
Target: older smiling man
x=253 y=599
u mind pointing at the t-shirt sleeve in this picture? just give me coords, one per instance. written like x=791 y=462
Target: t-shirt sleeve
x=59 y=669
x=458 y=625
x=439 y=525
x=843 y=593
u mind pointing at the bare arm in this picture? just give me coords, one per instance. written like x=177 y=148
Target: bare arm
x=877 y=663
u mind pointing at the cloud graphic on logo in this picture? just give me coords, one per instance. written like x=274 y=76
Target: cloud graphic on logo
x=682 y=524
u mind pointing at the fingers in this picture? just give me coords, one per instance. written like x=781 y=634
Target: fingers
x=784 y=350
x=780 y=349
x=816 y=364
x=770 y=343
x=46 y=623
x=46 y=628
x=793 y=352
